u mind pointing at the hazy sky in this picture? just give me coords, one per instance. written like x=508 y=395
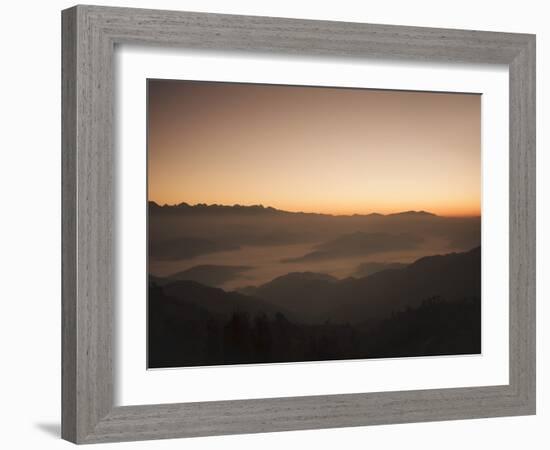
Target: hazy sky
x=330 y=150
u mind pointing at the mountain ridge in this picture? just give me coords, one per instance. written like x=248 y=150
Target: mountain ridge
x=259 y=208
x=450 y=276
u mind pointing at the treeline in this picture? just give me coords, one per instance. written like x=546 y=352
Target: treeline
x=184 y=334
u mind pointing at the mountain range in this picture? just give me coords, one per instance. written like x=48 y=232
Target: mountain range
x=313 y=297
x=429 y=307
x=204 y=208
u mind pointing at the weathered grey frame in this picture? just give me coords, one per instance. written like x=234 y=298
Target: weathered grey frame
x=89 y=36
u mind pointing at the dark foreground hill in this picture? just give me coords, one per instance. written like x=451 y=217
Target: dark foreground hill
x=431 y=307
x=317 y=297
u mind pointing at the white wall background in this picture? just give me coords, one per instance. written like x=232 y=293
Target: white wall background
x=30 y=223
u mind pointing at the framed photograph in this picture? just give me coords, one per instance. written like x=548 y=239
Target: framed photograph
x=277 y=224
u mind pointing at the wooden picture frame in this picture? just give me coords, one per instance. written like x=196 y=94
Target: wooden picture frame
x=90 y=34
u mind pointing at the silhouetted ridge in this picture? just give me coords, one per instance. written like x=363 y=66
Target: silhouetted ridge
x=261 y=209
x=191 y=324
x=214 y=300
x=208 y=274
x=359 y=244
x=303 y=276
x=413 y=213
x=298 y=293
x=204 y=208
x=369 y=268
x=316 y=298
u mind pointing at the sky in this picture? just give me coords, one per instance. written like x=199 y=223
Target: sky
x=312 y=149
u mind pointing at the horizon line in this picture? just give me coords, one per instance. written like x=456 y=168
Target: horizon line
x=261 y=206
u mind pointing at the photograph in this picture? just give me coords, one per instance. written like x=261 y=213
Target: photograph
x=294 y=224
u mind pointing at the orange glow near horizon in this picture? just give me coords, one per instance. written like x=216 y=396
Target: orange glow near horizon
x=325 y=150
